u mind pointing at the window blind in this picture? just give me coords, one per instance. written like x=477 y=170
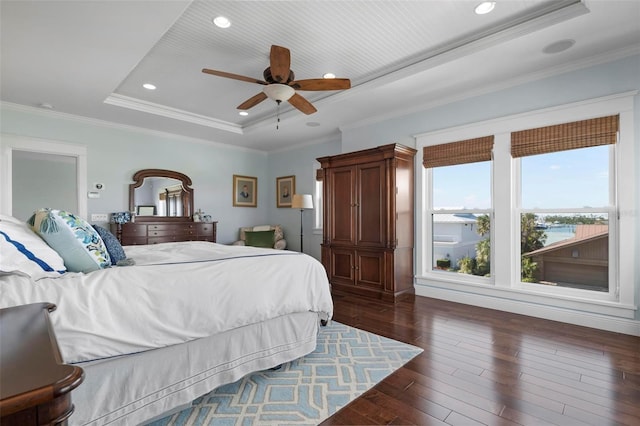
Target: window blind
x=459 y=152
x=562 y=137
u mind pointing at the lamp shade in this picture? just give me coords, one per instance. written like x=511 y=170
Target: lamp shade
x=302 y=201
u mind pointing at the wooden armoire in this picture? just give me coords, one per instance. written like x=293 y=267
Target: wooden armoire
x=368 y=222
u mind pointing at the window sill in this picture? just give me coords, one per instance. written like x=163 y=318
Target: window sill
x=529 y=301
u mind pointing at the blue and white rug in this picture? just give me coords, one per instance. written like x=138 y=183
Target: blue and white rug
x=346 y=363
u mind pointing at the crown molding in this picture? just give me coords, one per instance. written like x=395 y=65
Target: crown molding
x=169 y=112
x=111 y=125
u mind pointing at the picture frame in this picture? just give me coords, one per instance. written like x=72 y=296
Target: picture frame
x=245 y=191
x=285 y=188
x=146 y=210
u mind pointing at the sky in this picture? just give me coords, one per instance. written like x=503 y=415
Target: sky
x=567 y=179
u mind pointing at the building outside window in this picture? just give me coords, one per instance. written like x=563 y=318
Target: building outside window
x=460 y=218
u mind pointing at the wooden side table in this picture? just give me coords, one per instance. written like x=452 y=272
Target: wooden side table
x=35 y=385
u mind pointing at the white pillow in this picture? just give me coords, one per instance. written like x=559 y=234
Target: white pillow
x=73 y=238
x=22 y=250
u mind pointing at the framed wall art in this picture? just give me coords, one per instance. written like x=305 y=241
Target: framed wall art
x=285 y=188
x=245 y=191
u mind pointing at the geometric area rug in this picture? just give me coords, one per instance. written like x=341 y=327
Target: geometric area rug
x=346 y=363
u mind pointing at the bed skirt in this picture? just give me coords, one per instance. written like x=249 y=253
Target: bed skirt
x=130 y=389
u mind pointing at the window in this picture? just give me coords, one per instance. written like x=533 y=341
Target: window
x=561 y=213
x=459 y=216
x=567 y=203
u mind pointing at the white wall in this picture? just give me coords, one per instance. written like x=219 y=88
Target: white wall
x=299 y=162
x=115 y=153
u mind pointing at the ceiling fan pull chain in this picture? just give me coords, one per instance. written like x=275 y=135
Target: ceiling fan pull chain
x=278 y=115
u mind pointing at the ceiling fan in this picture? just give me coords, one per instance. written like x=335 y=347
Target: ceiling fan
x=280 y=84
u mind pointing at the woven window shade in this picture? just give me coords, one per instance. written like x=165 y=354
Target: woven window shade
x=319 y=174
x=461 y=152
x=561 y=137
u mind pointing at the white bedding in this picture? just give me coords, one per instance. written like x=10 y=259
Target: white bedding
x=176 y=292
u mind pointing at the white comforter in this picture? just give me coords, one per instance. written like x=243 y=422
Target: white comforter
x=175 y=292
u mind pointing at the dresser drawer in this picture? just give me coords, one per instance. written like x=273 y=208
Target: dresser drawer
x=205 y=229
x=172 y=232
x=154 y=233
x=132 y=229
x=171 y=229
x=165 y=239
x=133 y=241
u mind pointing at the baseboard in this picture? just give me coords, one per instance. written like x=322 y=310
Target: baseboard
x=586 y=319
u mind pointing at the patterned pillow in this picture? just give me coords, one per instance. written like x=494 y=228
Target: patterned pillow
x=116 y=252
x=73 y=238
x=24 y=251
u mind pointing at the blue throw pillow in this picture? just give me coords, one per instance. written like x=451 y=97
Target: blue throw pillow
x=77 y=243
x=114 y=248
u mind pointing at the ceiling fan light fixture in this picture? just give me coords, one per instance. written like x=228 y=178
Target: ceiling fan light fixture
x=279 y=92
x=243 y=113
x=329 y=75
x=485 y=7
x=222 y=22
x=149 y=86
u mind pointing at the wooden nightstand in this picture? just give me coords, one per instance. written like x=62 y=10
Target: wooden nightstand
x=35 y=385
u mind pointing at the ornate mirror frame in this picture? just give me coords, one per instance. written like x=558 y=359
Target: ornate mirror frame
x=187 y=200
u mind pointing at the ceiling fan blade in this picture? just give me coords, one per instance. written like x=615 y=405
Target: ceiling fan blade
x=253 y=101
x=280 y=61
x=233 y=76
x=322 y=84
x=302 y=104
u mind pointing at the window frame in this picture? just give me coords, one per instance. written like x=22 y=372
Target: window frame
x=506 y=292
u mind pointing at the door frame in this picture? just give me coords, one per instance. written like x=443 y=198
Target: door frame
x=10 y=143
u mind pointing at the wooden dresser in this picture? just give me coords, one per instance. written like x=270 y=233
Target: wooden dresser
x=35 y=386
x=134 y=233
x=368 y=228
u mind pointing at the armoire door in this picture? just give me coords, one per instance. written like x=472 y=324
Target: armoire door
x=370 y=269
x=341 y=196
x=370 y=204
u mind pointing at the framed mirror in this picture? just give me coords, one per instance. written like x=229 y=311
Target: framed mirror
x=158 y=195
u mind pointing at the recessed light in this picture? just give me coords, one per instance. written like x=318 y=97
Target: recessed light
x=329 y=75
x=559 y=46
x=149 y=86
x=45 y=105
x=485 y=7
x=243 y=113
x=222 y=22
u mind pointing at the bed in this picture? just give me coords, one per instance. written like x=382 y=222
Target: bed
x=185 y=318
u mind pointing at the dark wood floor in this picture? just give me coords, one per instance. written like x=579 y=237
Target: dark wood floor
x=481 y=366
